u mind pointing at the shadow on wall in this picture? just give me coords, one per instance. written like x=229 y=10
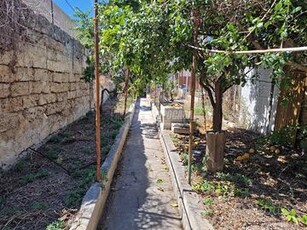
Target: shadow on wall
x=259 y=102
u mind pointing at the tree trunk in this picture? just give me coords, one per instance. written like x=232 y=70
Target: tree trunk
x=203 y=106
x=101 y=98
x=155 y=98
x=218 y=107
x=216 y=138
x=126 y=92
x=268 y=128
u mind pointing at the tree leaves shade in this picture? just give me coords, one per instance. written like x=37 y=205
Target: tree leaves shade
x=154 y=39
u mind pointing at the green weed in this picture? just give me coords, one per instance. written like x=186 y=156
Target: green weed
x=197 y=167
x=53 y=154
x=243 y=192
x=204 y=186
x=117 y=122
x=29 y=178
x=223 y=188
x=184 y=158
x=284 y=136
x=166 y=168
x=159 y=181
x=105 y=150
x=207 y=213
x=87 y=151
x=74 y=197
x=268 y=205
x=56 y=139
x=208 y=201
x=104 y=175
x=291 y=216
x=303 y=219
x=39 y=206
x=20 y=165
x=198 y=110
x=237 y=178
x=114 y=134
x=57 y=225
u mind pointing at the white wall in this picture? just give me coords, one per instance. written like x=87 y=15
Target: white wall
x=255 y=102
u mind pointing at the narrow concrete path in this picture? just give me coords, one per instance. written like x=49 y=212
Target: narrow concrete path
x=142 y=196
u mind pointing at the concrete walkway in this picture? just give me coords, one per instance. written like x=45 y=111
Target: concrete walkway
x=142 y=196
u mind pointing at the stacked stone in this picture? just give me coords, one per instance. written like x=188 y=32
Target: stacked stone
x=41 y=89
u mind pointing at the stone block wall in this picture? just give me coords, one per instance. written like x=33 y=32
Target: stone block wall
x=41 y=89
x=53 y=14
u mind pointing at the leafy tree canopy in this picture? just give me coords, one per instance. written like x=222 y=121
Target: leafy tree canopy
x=155 y=38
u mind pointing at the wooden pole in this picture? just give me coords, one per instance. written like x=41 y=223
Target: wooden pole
x=203 y=107
x=126 y=90
x=193 y=73
x=97 y=85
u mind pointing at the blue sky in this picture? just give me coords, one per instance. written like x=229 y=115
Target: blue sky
x=66 y=5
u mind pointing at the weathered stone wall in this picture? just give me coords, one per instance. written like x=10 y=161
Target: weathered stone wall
x=53 y=14
x=40 y=79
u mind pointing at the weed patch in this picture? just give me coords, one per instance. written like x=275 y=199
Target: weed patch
x=29 y=178
x=268 y=205
x=57 y=225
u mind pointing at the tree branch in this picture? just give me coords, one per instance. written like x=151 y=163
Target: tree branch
x=229 y=86
x=209 y=93
x=297 y=66
x=294 y=65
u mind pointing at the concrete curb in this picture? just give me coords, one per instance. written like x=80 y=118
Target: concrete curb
x=95 y=198
x=189 y=202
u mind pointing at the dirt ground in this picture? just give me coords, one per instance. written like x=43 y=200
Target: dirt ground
x=45 y=188
x=266 y=191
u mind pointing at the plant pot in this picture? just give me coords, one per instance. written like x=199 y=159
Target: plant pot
x=215 y=150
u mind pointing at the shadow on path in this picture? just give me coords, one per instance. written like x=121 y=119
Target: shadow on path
x=141 y=195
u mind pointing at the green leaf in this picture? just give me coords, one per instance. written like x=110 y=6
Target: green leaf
x=260 y=25
x=278 y=6
x=303 y=219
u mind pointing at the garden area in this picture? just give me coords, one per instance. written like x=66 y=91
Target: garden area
x=262 y=185
x=44 y=189
x=246 y=180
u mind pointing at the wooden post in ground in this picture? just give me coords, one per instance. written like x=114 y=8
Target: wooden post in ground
x=203 y=107
x=215 y=151
x=98 y=141
x=126 y=90
x=193 y=73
